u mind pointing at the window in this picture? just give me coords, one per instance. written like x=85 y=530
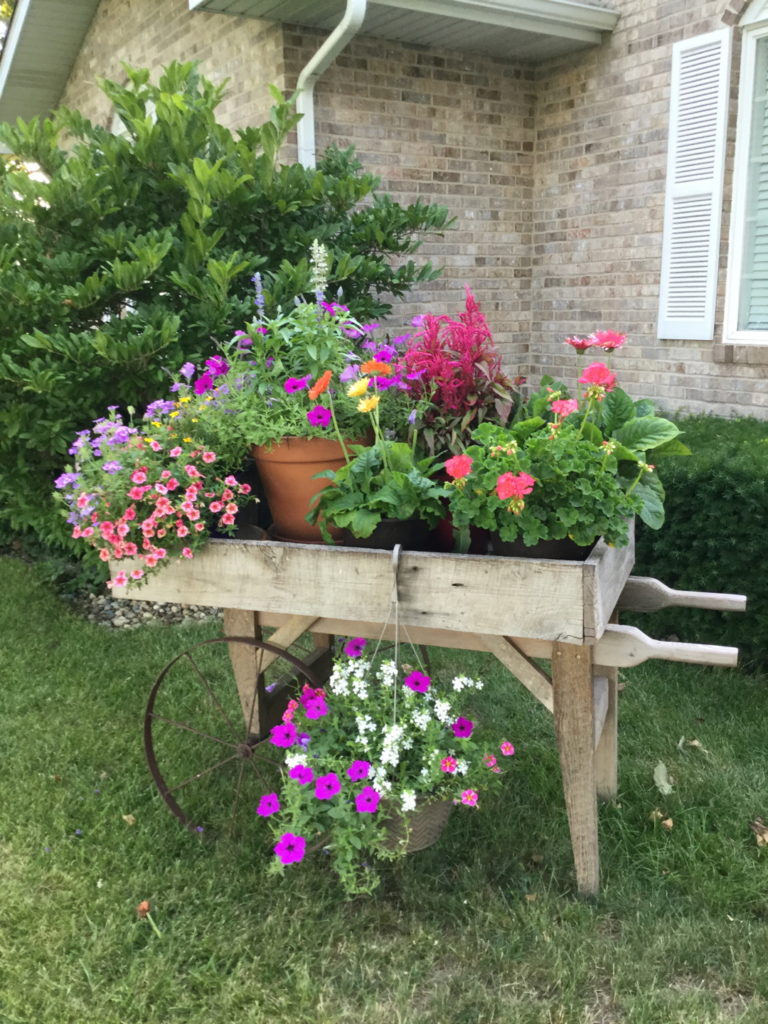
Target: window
x=698 y=114
x=746 y=308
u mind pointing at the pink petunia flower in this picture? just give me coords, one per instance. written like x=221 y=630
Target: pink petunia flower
x=283 y=735
x=302 y=774
x=354 y=648
x=319 y=416
x=268 y=804
x=367 y=800
x=462 y=727
x=359 y=770
x=315 y=707
x=417 y=682
x=327 y=786
x=290 y=848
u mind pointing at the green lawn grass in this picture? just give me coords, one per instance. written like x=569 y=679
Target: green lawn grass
x=483 y=927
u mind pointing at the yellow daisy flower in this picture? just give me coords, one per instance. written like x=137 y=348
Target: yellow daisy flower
x=368 y=404
x=359 y=388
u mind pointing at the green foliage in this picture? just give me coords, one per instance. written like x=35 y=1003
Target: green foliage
x=714 y=535
x=130 y=253
x=383 y=481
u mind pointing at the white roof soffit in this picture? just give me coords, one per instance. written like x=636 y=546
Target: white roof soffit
x=43 y=40
x=529 y=30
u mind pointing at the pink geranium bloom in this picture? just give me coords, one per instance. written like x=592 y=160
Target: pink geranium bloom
x=598 y=374
x=564 y=406
x=459 y=466
x=511 y=485
x=608 y=340
x=580 y=344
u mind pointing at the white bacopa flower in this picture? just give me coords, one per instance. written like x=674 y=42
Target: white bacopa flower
x=421 y=719
x=293 y=759
x=443 y=712
x=461 y=767
x=408 y=800
x=387 y=673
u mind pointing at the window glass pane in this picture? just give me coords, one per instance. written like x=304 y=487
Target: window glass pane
x=753 y=305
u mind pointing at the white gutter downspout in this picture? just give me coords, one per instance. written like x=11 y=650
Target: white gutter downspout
x=331 y=48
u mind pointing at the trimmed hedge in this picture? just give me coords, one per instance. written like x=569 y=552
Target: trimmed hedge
x=714 y=536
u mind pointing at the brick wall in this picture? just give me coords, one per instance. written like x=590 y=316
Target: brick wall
x=601 y=150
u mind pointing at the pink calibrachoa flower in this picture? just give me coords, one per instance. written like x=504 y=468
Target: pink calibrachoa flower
x=462 y=727
x=607 y=340
x=269 y=804
x=367 y=800
x=449 y=765
x=354 y=648
x=359 y=770
x=136 y=574
x=302 y=774
x=598 y=375
x=458 y=466
x=139 y=476
x=186 y=552
x=580 y=344
x=564 y=406
x=469 y=797
x=417 y=681
x=507 y=749
x=290 y=848
x=120 y=580
x=514 y=485
x=327 y=786
x=209 y=457
x=489 y=760
x=283 y=735
x=175 y=452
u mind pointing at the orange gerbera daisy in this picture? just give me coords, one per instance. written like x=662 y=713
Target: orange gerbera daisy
x=320 y=385
x=376 y=366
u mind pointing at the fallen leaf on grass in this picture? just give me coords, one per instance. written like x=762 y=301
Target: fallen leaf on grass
x=696 y=744
x=129 y=819
x=656 y=815
x=760 y=829
x=668 y=824
x=661 y=779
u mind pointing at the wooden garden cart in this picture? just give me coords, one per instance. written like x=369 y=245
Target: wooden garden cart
x=520 y=610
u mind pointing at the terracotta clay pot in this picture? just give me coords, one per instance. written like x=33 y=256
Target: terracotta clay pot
x=286 y=470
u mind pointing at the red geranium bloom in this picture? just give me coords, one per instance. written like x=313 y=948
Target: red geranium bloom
x=511 y=485
x=459 y=466
x=598 y=373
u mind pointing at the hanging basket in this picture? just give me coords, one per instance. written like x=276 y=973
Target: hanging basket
x=416 y=830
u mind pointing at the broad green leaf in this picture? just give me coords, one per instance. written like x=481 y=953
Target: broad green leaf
x=673 y=447
x=646 y=432
x=650 y=490
x=616 y=409
x=661 y=779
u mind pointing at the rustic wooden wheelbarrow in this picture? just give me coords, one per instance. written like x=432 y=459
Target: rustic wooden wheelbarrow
x=517 y=609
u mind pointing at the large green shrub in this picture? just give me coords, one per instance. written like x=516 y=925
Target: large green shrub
x=715 y=534
x=137 y=251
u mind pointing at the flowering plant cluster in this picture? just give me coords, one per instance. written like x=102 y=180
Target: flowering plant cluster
x=146 y=493
x=569 y=467
x=368 y=749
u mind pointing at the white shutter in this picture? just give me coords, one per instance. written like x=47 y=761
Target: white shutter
x=753 y=304
x=694 y=197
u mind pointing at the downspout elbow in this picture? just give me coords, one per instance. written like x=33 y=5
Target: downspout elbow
x=347 y=28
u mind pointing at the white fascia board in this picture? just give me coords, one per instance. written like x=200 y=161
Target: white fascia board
x=551 y=16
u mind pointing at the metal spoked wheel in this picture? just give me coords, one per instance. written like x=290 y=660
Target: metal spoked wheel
x=206 y=722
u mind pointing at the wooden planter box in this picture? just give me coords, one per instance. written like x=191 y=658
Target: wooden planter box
x=541 y=599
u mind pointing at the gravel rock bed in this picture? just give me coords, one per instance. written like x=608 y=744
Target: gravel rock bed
x=116 y=614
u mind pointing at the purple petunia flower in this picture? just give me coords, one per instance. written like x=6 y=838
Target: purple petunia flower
x=283 y=735
x=315 y=707
x=217 y=366
x=159 y=407
x=354 y=648
x=417 y=682
x=269 y=804
x=203 y=383
x=319 y=416
x=303 y=740
x=66 y=480
x=294 y=384
x=462 y=727
x=349 y=373
x=112 y=467
x=367 y=800
x=290 y=849
x=359 y=770
x=386 y=354
x=327 y=786
x=188 y=370
x=302 y=774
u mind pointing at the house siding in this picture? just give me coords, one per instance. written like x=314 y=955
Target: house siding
x=555 y=173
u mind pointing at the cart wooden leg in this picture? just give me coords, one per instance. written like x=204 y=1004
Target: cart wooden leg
x=607 y=750
x=572 y=693
x=246 y=665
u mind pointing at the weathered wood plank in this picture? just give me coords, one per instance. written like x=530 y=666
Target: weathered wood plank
x=605 y=574
x=525 y=670
x=645 y=594
x=483 y=594
x=574 y=727
x=599 y=706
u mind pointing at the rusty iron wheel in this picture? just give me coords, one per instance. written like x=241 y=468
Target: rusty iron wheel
x=207 y=756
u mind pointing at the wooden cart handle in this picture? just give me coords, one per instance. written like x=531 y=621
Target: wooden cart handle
x=624 y=646
x=644 y=594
